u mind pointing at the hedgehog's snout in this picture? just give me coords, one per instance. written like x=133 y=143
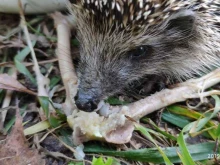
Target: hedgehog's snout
x=85 y=103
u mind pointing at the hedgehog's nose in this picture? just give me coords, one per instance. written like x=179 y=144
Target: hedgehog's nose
x=85 y=103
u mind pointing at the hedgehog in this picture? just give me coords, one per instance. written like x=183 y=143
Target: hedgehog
x=127 y=41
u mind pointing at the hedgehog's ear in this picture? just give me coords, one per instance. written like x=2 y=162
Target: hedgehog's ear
x=181 y=22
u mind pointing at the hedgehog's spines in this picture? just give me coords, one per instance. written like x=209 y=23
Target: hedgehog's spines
x=182 y=38
x=135 y=18
x=142 y=12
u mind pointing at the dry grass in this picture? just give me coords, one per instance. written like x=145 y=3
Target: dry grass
x=54 y=143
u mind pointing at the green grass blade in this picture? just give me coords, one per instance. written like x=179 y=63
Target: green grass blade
x=149 y=121
x=11 y=122
x=177 y=120
x=54 y=80
x=185 y=156
x=22 y=69
x=218 y=131
x=115 y=101
x=197 y=151
x=98 y=161
x=41 y=126
x=179 y=110
x=24 y=52
x=202 y=122
x=44 y=102
x=75 y=163
x=19 y=58
x=66 y=136
x=109 y=161
x=144 y=131
x=54 y=122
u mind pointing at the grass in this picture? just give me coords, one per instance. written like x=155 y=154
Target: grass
x=179 y=134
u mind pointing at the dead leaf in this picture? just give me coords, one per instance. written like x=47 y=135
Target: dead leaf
x=16 y=149
x=10 y=83
x=41 y=39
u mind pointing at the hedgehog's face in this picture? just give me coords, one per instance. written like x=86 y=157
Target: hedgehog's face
x=100 y=77
x=111 y=59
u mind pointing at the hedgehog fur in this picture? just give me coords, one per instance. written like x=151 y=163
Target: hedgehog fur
x=122 y=41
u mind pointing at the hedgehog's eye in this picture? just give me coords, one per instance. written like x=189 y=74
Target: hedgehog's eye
x=139 y=51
